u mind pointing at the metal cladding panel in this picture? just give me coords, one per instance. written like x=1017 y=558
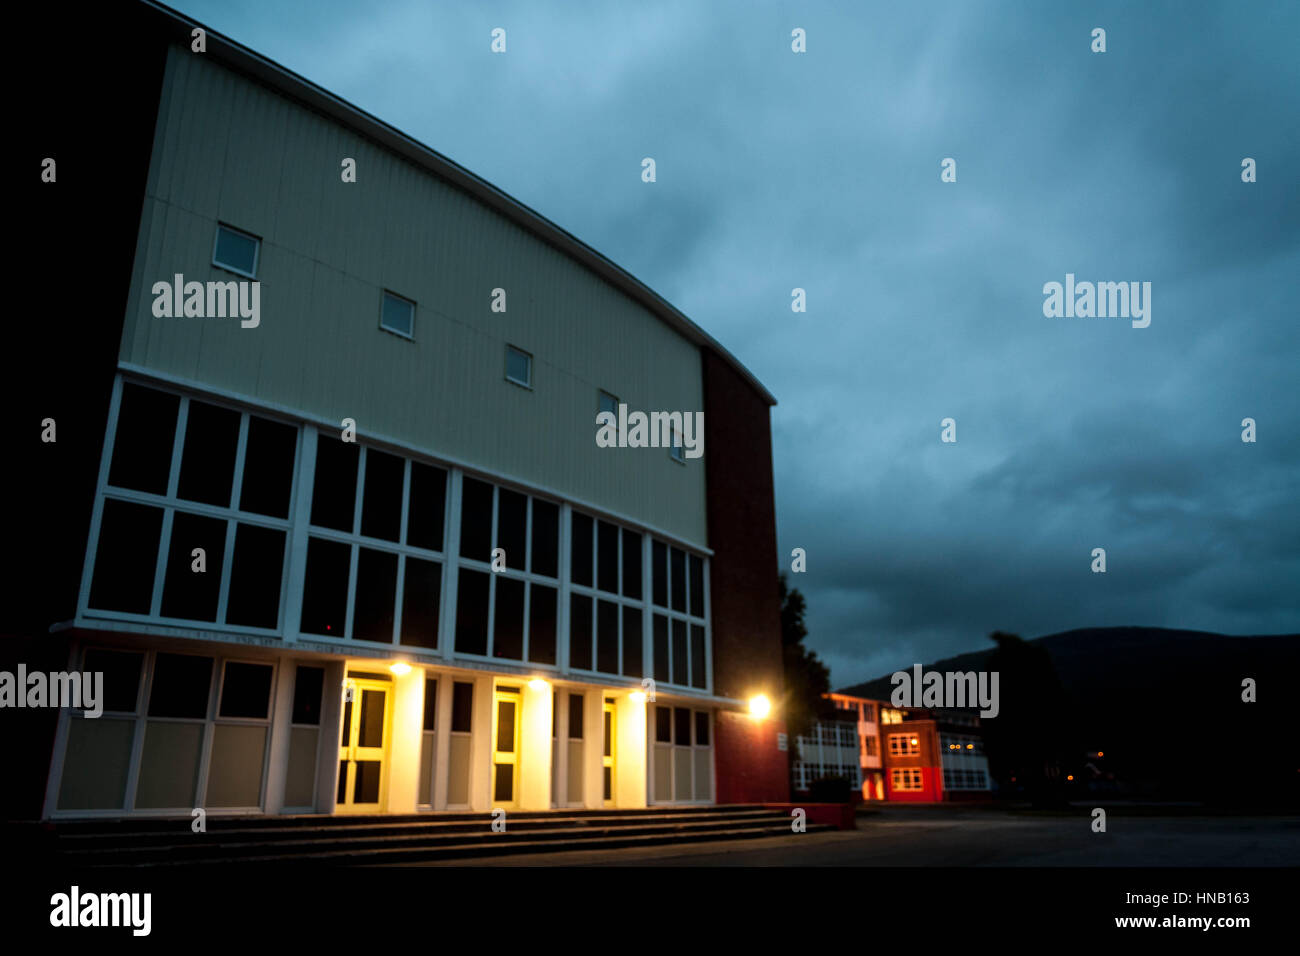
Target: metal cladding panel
x=231 y=150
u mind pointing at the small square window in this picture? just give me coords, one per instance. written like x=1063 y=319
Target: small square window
x=398 y=315
x=519 y=366
x=236 y=251
x=607 y=402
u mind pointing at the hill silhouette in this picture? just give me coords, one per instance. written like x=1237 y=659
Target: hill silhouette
x=1165 y=707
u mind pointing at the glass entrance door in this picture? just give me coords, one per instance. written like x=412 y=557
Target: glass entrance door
x=505 y=746
x=607 y=758
x=363 y=747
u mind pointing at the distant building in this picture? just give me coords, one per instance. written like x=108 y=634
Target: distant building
x=918 y=755
x=830 y=750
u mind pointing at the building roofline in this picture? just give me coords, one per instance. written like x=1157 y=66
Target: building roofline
x=254 y=64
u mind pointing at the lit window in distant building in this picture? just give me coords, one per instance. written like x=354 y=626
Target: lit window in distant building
x=905 y=778
x=904 y=745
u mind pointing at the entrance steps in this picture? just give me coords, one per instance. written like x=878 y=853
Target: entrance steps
x=392 y=839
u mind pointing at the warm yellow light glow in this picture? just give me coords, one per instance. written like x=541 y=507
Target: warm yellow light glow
x=760 y=706
x=970 y=746
x=400 y=668
x=537 y=684
x=915 y=741
x=637 y=697
x=1069 y=776
x=1100 y=754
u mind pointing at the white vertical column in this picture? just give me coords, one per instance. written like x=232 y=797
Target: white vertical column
x=480 y=750
x=442 y=741
x=593 y=747
x=280 y=732
x=327 y=754
x=535 y=748
x=404 y=745
x=629 y=752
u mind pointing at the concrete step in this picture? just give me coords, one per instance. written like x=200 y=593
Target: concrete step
x=251 y=844
x=488 y=847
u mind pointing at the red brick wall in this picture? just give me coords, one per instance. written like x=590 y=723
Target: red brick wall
x=746 y=608
x=750 y=768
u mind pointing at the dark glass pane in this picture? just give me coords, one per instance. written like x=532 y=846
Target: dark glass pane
x=370 y=733
x=188 y=593
x=542 y=604
x=580 y=549
x=334 y=490
x=268 y=467
x=142 y=447
x=546 y=538
x=580 y=631
x=421 y=597
x=679 y=579
x=607 y=637
x=680 y=660
x=208 y=457
x=608 y=775
x=424 y=516
x=698 y=671
x=308 y=684
x=180 y=686
x=697 y=585
x=367 y=785
x=702 y=728
x=608 y=734
x=575 y=716
x=682 y=727
x=664 y=725
x=512 y=520
x=471 y=612
x=661 y=648
x=476 y=520
x=372 y=615
x=631 y=564
x=246 y=690
x=607 y=556
x=346 y=728
x=505 y=782
x=236 y=250
x=462 y=707
x=325 y=587
x=343 y=780
x=631 y=641
x=381 y=496
x=255 y=573
x=126 y=556
x=506 y=726
x=121 y=670
x=508 y=623
x=431 y=703
x=659 y=573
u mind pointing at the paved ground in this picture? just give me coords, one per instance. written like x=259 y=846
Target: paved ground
x=967 y=836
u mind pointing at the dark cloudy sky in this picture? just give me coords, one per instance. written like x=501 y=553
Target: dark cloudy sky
x=821 y=171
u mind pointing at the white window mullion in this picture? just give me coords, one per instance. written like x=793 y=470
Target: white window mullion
x=708 y=629
x=227 y=562
x=305 y=476
x=401 y=560
x=492 y=576
x=97 y=514
x=562 y=624
x=451 y=566
x=647 y=612
x=354 y=548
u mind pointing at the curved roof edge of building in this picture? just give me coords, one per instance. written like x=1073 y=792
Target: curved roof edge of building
x=285 y=80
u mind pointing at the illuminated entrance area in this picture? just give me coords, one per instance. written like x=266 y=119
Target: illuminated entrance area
x=505 y=751
x=363 y=744
x=607 y=755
